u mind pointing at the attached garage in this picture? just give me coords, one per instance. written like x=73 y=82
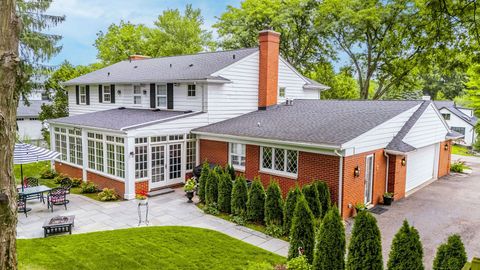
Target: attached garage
x=421 y=166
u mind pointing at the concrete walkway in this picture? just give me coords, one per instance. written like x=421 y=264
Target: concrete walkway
x=166 y=210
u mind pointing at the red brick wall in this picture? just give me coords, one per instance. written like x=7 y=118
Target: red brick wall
x=71 y=171
x=268 y=68
x=354 y=187
x=445 y=158
x=141 y=187
x=397 y=176
x=214 y=152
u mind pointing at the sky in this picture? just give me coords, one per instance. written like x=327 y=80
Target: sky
x=85 y=18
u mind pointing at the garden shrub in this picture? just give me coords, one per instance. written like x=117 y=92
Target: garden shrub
x=302 y=233
x=274 y=230
x=225 y=193
x=239 y=196
x=259 y=266
x=450 y=255
x=311 y=195
x=365 y=249
x=290 y=205
x=88 y=187
x=299 y=263
x=211 y=209
x=48 y=174
x=76 y=182
x=231 y=171
x=202 y=181
x=330 y=243
x=211 y=187
x=323 y=196
x=256 y=202
x=60 y=178
x=108 y=194
x=406 y=252
x=274 y=205
x=239 y=219
x=458 y=166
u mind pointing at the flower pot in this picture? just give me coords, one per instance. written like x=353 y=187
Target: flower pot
x=142 y=201
x=189 y=195
x=387 y=200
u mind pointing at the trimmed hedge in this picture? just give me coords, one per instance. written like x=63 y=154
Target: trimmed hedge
x=406 y=252
x=225 y=193
x=302 y=233
x=323 y=196
x=274 y=205
x=290 y=205
x=239 y=196
x=450 y=255
x=256 y=202
x=330 y=243
x=311 y=195
x=202 y=181
x=231 y=171
x=211 y=196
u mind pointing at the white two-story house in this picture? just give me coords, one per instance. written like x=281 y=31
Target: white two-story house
x=460 y=119
x=129 y=124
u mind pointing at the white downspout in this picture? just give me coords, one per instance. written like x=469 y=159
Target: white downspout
x=340 y=182
x=386 y=174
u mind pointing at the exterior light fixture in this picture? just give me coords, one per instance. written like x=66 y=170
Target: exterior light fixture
x=404 y=162
x=445 y=147
x=119 y=92
x=132 y=154
x=356 y=172
x=144 y=92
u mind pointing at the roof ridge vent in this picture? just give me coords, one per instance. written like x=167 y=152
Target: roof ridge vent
x=233 y=56
x=121 y=108
x=289 y=102
x=191 y=65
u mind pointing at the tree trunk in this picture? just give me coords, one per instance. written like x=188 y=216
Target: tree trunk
x=9 y=70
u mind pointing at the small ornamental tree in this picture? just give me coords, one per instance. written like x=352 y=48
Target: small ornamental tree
x=274 y=205
x=302 y=233
x=406 y=251
x=330 y=243
x=365 y=249
x=225 y=193
x=239 y=196
x=211 y=196
x=202 y=181
x=256 y=202
x=323 y=196
x=311 y=195
x=450 y=255
x=290 y=205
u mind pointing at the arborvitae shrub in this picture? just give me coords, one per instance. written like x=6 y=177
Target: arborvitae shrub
x=450 y=255
x=225 y=193
x=302 y=233
x=406 y=252
x=211 y=195
x=365 y=249
x=231 y=171
x=323 y=196
x=239 y=196
x=290 y=205
x=311 y=195
x=202 y=181
x=330 y=244
x=274 y=205
x=256 y=202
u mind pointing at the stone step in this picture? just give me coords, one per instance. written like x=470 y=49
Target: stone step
x=160 y=192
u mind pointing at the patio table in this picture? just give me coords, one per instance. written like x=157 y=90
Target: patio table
x=28 y=191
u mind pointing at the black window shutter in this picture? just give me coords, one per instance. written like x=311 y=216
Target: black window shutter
x=87 y=92
x=170 y=96
x=77 y=93
x=100 y=93
x=112 y=93
x=152 y=96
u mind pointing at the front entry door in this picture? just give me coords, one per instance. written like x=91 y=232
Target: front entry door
x=159 y=166
x=368 y=179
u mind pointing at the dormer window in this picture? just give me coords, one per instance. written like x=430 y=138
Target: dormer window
x=83 y=95
x=192 y=90
x=107 y=94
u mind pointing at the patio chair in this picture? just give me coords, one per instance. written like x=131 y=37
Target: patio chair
x=32 y=182
x=57 y=196
x=22 y=205
x=66 y=184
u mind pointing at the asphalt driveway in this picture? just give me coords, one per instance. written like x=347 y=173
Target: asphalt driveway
x=447 y=206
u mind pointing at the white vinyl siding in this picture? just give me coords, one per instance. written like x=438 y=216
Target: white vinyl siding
x=428 y=129
x=293 y=84
x=458 y=122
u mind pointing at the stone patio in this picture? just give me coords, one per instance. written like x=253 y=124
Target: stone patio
x=167 y=210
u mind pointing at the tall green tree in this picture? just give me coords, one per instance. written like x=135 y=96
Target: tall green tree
x=290 y=204
x=311 y=195
x=365 y=248
x=301 y=42
x=239 y=196
x=302 y=233
x=202 y=181
x=274 y=205
x=225 y=193
x=323 y=195
x=330 y=243
x=450 y=255
x=211 y=188
x=342 y=84
x=256 y=202
x=406 y=251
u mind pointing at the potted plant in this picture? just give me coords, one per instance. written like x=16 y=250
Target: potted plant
x=360 y=207
x=387 y=198
x=189 y=189
x=141 y=198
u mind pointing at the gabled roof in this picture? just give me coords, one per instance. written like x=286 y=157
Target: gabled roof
x=33 y=110
x=320 y=122
x=450 y=105
x=166 y=69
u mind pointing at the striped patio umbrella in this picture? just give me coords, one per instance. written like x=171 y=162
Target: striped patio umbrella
x=25 y=153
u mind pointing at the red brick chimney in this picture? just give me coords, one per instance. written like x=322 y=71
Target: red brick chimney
x=138 y=57
x=268 y=68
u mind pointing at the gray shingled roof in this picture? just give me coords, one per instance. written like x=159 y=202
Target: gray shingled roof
x=165 y=69
x=119 y=119
x=450 y=105
x=33 y=110
x=326 y=122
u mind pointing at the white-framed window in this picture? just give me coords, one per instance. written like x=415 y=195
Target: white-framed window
x=83 y=94
x=137 y=94
x=115 y=156
x=192 y=90
x=191 y=152
x=237 y=155
x=281 y=91
x=278 y=160
x=95 y=151
x=75 y=146
x=162 y=95
x=61 y=142
x=141 y=158
x=460 y=130
x=107 y=94
x=446 y=116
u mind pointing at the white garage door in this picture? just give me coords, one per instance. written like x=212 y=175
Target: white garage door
x=420 y=166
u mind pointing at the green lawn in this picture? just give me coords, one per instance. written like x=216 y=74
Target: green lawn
x=142 y=248
x=461 y=150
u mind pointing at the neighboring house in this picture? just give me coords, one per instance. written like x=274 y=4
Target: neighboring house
x=29 y=127
x=461 y=120
x=145 y=124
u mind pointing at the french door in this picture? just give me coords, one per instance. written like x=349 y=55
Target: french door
x=368 y=179
x=159 y=166
x=166 y=164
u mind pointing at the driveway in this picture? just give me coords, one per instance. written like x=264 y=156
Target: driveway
x=447 y=206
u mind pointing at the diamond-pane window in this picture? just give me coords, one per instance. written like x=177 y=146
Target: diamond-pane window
x=292 y=165
x=279 y=159
x=267 y=158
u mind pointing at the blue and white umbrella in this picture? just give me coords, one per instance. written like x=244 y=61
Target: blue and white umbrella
x=25 y=153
